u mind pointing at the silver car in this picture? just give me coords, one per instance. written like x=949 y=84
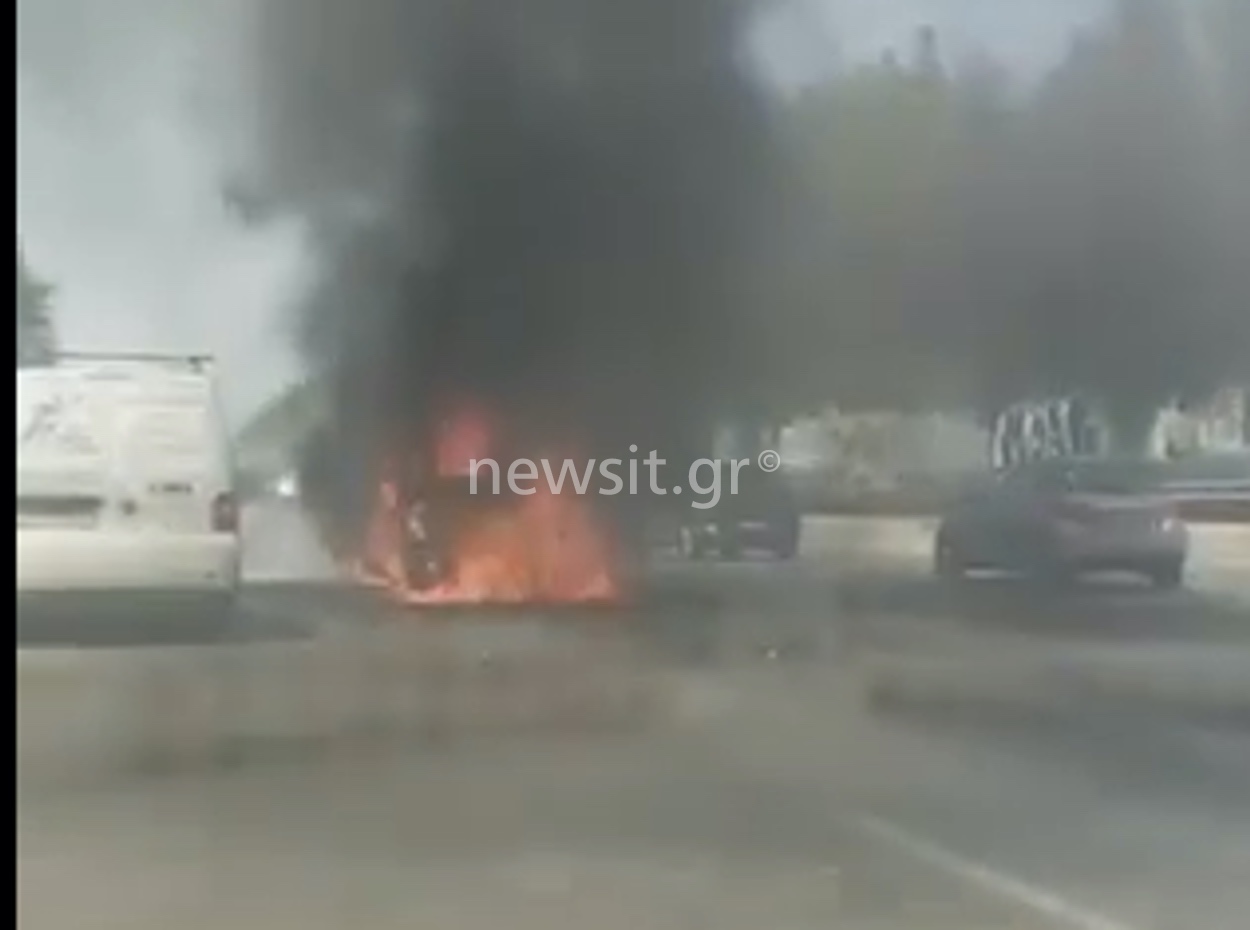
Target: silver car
x=1063 y=517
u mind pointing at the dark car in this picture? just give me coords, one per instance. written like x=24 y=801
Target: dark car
x=1062 y=517
x=763 y=515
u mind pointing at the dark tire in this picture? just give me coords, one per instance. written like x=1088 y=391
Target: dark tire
x=787 y=545
x=730 y=546
x=1168 y=577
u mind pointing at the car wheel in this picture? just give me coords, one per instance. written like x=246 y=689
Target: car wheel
x=1168 y=577
x=787 y=546
x=948 y=563
x=730 y=547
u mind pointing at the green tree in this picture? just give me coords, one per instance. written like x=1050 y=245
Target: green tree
x=955 y=243
x=36 y=335
x=1121 y=268
x=874 y=312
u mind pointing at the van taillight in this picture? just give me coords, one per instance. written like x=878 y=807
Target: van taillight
x=225 y=514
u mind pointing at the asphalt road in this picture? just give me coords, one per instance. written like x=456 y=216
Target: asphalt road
x=781 y=800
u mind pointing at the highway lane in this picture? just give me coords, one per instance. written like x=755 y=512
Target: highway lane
x=851 y=568
x=1096 y=823
x=1115 y=814
x=769 y=795
x=646 y=833
x=896 y=554
x=775 y=803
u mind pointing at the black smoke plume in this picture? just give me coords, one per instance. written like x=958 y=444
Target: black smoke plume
x=551 y=207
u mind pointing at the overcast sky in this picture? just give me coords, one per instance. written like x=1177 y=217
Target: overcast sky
x=125 y=112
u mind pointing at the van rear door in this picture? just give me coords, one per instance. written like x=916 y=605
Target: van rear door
x=120 y=448
x=64 y=452
x=172 y=463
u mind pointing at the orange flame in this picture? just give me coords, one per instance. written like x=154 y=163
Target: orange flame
x=544 y=548
x=538 y=548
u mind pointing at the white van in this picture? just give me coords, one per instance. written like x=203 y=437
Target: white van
x=124 y=485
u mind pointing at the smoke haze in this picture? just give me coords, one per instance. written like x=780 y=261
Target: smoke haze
x=558 y=213
x=541 y=206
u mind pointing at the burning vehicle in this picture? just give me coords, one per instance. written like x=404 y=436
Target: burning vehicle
x=556 y=247
x=436 y=534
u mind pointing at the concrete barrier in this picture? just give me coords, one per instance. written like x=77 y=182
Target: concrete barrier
x=1222 y=546
x=1197 y=502
x=870 y=543
x=85 y=712
x=1219 y=556
x=912 y=537
x=1203 y=682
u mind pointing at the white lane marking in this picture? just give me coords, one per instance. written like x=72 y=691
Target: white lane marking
x=1062 y=911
